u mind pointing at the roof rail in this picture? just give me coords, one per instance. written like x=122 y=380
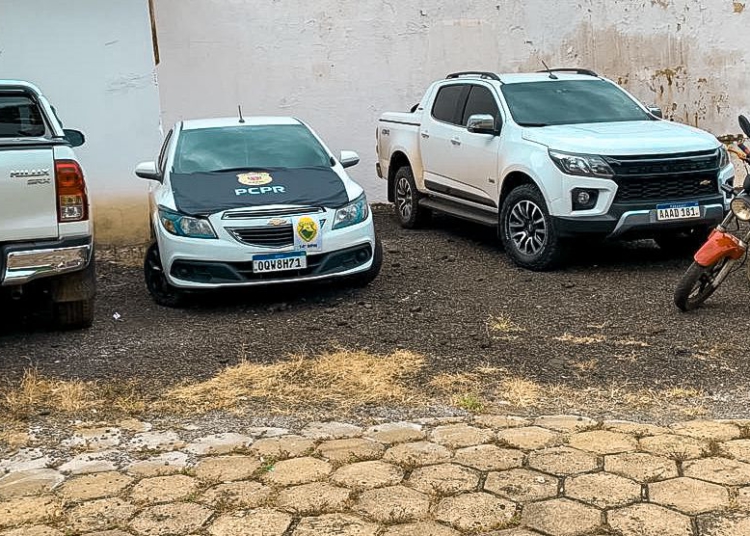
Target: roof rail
x=480 y=74
x=587 y=72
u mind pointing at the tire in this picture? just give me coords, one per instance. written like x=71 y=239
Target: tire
x=695 y=286
x=365 y=278
x=683 y=243
x=527 y=231
x=74 y=314
x=156 y=282
x=406 y=200
x=72 y=296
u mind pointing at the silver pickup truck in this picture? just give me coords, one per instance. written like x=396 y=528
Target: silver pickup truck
x=46 y=246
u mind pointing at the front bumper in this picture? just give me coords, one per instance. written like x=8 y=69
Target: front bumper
x=22 y=263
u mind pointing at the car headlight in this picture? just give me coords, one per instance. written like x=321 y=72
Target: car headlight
x=724 y=159
x=180 y=224
x=741 y=208
x=355 y=212
x=585 y=165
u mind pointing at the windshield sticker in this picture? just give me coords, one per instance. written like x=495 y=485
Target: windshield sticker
x=307 y=234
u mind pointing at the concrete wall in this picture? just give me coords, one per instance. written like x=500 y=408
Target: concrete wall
x=340 y=64
x=94 y=61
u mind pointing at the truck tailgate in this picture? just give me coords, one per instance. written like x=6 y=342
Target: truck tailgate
x=28 y=204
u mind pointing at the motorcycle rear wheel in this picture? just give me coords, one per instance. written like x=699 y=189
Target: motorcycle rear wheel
x=697 y=285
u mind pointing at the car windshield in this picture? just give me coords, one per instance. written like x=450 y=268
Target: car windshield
x=567 y=102
x=241 y=147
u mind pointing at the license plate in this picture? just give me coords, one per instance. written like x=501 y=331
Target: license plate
x=279 y=262
x=678 y=211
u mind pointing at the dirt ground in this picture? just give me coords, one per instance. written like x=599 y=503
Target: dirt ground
x=601 y=336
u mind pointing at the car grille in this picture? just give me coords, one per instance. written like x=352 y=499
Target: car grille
x=270 y=213
x=266 y=236
x=666 y=177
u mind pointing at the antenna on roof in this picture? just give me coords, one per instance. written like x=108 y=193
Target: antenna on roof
x=551 y=74
x=239 y=109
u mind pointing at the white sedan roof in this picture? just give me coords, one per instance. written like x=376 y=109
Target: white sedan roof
x=219 y=122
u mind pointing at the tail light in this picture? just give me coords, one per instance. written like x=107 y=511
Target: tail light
x=72 y=200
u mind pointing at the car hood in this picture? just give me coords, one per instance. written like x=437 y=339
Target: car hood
x=624 y=138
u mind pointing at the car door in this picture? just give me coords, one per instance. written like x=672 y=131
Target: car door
x=441 y=157
x=480 y=152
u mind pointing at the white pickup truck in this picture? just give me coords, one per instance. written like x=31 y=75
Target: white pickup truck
x=46 y=248
x=549 y=156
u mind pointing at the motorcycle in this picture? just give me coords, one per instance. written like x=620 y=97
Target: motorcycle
x=723 y=253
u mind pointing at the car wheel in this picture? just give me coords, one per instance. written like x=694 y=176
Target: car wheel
x=683 y=243
x=156 y=281
x=527 y=231
x=74 y=315
x=365 y=278
x=406 y=200
x=72 y=297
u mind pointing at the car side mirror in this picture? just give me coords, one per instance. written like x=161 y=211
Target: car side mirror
x=654 y=110
x=148 y=170
x=481 y=124
x=74 y=137
x=349 y=159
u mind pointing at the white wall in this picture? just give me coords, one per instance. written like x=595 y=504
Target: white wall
x=93 y=59
x=339 y=64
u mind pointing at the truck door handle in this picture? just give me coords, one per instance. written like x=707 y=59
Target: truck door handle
x=456 y=141
x=425 y=135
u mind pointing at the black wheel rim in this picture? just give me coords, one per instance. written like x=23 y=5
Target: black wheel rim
x=527 y=227
x=404 y=198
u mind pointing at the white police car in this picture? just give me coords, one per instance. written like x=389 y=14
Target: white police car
x=254 y=201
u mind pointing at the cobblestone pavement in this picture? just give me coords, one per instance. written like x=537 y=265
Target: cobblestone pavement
x=489 y=474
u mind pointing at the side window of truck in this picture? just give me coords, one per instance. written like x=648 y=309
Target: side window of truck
x=449 y=103
x=163 y=153
x=20 y=117
x=481 y=101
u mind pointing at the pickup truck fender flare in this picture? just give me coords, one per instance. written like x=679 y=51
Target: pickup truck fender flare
x=400 y=157
x=517 y=175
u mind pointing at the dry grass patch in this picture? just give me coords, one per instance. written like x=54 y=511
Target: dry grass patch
x=572 y=339
x=343 y=378
x=503 y=324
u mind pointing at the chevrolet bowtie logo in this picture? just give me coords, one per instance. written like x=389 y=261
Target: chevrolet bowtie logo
x=276 y=222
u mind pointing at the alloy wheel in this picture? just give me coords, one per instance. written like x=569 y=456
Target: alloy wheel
x=404 y=198
x=527 y=227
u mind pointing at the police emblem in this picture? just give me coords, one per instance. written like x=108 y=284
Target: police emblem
x=307 y=229
x=254 y=179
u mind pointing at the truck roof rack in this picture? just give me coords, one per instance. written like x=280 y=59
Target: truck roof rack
x=481 y=74
x=587 y=72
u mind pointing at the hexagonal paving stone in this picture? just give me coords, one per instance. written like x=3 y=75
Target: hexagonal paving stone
x=237 y=495
x=90 y=462
x=461 y=435
x=727 y=524
x=164 y=464
x=395 y=504
x=688 y=495
x=100 y=514
x=603 y=442
x=513 y=532
x=168 y=519
x=420 y=529
x=96 y=486
x=335 y=525
x=368 y=475
x=743 y=498
x=219 y=444
x=227 y=468
x=528 y=438
x=603 y=490
x=162 y=489
x=489 y=458
x=711 y=430
x=739 y=450
x=331 y=430
x=444 y=479
x=719 y=470
x=649 y=520
x=562 y=461
x=475 y=512
x=635 y=429
x=641 y=466
x=298 y=471
x=522 y=485
x=565 y=423
x=315 y=498
x=262 y=522
x=290 y=446
x=351 y=450
x=27 y=510
x=561 y=517
x=94 y=439
x=674 y=446
x=114 y=532
x=36 y=530
x=395 y=432
x=156 y=441
x=31 y=482
x=501 y=422
x=417 y=454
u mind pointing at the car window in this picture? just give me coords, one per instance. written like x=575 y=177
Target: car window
x=481 y=101
x=449 y=103
x=248 y=147
x=20 y=117
x=163 y=153
x=566 y=102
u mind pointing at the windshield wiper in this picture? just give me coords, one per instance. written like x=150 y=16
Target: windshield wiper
x=232 y=170
x=532 y=124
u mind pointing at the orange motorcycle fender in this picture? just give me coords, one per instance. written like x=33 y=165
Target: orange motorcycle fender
x=718 y=246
